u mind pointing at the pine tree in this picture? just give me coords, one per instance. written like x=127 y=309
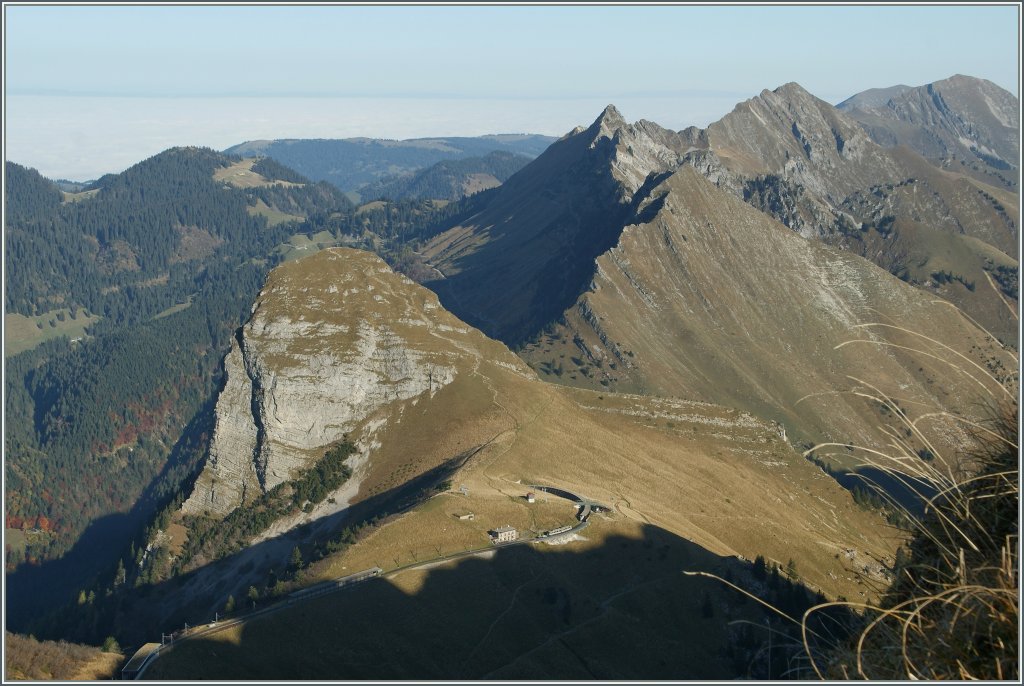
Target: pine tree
x=791 y=570
x=759 y=568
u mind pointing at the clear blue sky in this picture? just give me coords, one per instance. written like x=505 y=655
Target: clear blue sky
x=456 y=70
x=500 y=51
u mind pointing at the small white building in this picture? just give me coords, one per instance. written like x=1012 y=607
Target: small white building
x=504 y=535
x=531 y=497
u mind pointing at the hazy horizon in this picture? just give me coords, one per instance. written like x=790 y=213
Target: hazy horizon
x=94 y=89
x=68 y=137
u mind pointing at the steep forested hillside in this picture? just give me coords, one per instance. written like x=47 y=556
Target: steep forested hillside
x=130 y=249
x=29 y=194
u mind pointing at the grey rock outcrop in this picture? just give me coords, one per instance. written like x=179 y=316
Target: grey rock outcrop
x=317 y=358
x=960 y=116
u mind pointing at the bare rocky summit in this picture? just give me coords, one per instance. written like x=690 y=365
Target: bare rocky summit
x=819 y=171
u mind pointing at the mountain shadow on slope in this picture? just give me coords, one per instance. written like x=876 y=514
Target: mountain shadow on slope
x=523 y=260
x=623 y=609
x=34 y=592
x=135 y=613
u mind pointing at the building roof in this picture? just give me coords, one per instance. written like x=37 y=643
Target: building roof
x=504 y=529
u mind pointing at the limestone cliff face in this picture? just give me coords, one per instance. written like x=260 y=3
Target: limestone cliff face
x=332 y=339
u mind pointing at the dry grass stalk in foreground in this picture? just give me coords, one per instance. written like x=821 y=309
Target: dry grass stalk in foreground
x=952 y=611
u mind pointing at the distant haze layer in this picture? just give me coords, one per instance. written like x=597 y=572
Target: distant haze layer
x=81 y=138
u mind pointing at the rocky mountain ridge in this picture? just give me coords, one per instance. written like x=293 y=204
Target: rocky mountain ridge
x=678 y=286
x=814 y=168
x=959 y=117
x=706 y=297
x=512 y=268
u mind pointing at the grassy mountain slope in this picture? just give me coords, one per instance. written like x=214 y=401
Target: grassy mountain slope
x=28 y=659
x=700 y=482
x=616 y=606
x=710 y=298
x=483 y=396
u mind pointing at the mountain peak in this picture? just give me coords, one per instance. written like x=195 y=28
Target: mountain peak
x=333 y=338
x=612 y=116
x=608 y=123
x=791 y=90
x=959 y=79
x=959 y=116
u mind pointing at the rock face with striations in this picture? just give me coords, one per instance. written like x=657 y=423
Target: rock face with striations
x=705 y=297
x=792 y=134
x=332 y=338
x=961 y=116
x=825 y=173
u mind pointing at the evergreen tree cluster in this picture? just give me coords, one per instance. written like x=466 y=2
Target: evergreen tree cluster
x=271 y=169
x=211 y=539
x=120 y=252
x=113 y=427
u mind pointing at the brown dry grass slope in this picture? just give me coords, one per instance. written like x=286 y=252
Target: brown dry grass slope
x=690 y=486
x=712 y=299
x=719 y=477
